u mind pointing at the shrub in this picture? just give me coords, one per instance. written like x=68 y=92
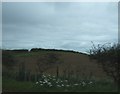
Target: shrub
x=107 y=57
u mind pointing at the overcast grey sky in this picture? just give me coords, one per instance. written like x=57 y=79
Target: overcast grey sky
x=69 y=26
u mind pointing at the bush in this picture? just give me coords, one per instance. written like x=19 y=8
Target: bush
x=107 y=57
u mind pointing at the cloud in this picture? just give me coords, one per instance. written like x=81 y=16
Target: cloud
x=59 y=25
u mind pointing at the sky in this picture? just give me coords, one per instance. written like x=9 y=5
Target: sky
x=59 y=25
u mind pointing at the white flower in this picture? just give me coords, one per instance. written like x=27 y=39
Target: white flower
x=46 y=80
x=62 y=84
x=90 y=82
x=75 y=84
x=49 y=83
x=41 y=84
x=66 y=80
x=83 y=83
x=58 y=85
x=40 y=81
x=44 y=76
x=36 y=82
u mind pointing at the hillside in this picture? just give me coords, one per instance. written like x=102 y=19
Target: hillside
x=68 y=63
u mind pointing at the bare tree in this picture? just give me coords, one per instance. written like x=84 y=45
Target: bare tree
x=107 y=56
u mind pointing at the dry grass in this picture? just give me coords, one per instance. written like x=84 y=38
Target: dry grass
x=70 y=63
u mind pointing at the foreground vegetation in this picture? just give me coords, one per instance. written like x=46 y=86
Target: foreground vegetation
x=48 y=83
x=18 y=76
x=107 y=56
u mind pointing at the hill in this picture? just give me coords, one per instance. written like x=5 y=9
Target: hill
x=54 y=62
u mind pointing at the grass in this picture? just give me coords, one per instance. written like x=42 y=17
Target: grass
x=78 y=62
x=75 y=62
x=53 y=84
x=27 y=54
x=0 y=83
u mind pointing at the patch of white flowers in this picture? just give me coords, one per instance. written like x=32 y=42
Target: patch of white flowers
x=53 y=81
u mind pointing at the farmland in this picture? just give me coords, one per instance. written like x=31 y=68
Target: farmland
x=53 y=71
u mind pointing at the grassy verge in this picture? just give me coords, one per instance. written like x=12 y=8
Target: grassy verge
x=53 y=85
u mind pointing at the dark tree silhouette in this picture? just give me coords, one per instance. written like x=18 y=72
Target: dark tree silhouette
x=107 y=56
